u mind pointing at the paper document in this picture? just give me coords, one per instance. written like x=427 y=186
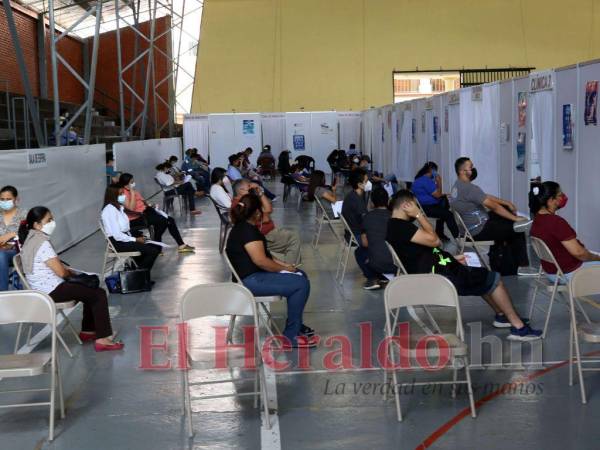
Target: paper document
x=293 y=273
x=337 y=208
x=162 y=213
x=388 y=188
x=472 y=259
x=187 y=178
x=160 y=244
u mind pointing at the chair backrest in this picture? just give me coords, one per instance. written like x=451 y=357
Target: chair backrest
x=349 y=230
x=222 y=211
x=217 y=300
x=585 y=281
x=27 y=307
x=545 y=254
x=231 y=268
x=396 y=259
x=18 y=265
x=420 y=290
x=167 y=190
x=111 y=247
x=319 y=205
x=464 y=231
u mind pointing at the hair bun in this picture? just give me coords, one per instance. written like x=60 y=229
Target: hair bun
x=536 y=190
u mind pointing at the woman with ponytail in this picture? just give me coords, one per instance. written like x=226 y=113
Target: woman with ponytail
x=45 y=272
x=264 y=275
x=547 y=198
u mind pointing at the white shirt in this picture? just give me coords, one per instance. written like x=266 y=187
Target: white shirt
x=116 y=224
x=164 y=178
x=43 y=277
x=220 y=195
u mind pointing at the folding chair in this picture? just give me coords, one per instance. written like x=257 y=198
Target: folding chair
x=32 y=307
x=545 y=254
x=60 y=309
x=169 y=195
x=217 y=300
x=425 y=290
x=346 y=248
x=585 y=281
x=431 y=220
x=466 y=240
x=225 y=222
x=264 y=302
x=322 y=217
x=112 y=255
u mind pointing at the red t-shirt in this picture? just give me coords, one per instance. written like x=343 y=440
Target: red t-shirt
x=553 y=230
x=265 y=228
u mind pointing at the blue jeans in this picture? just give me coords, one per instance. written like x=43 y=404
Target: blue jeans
x=569 y=275
x=362 y=259
x=6 y=257
x=295 y=288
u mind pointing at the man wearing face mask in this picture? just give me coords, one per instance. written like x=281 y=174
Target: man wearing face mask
x=354 y=210
x=10 y=218
x=488 y=218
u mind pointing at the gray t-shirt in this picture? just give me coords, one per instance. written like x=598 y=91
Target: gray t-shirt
x=375 y=224
x=467 y=200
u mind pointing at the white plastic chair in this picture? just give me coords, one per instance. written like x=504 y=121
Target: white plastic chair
x=217 y=300
x=32 y=307
x=426 y=290
x=60 y=309
x=112 y=256
x=322 y=217
x=346 y=249
x=466 y=239
x=584 y=282
x=264 y=302
x=545 y=254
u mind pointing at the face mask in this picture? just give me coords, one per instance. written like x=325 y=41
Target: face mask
x=562 y=201
x=368 y=186
x=355 y=160
x=434 y=173
x=7 y=205
x=121 y=198
x=49 y=228
x=132 y=185
x=473 y=174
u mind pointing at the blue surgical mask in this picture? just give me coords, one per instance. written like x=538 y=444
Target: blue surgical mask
x=121 y=198
x=434 y=173
x=7 y=205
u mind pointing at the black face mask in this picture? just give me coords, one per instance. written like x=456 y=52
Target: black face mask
x=473 y=174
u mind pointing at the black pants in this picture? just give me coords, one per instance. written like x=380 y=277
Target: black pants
x=442 y=213
x=159 y=223
x=500 y=230
x=95 y=306
x=149 y=252
x=187 y=190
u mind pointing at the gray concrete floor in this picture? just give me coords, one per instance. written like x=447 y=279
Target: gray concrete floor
x=112 y=404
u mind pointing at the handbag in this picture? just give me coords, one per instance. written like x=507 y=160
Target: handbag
x=87 y=280
x=134 y=280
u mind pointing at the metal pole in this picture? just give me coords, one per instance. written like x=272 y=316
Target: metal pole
x=24 y=76
x=120 y=73
x=152 y=10
x=55 y=93
x=43 y=69
x=92 y=81
x=135 y=7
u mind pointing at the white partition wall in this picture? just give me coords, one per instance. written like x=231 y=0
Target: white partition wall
x=195 y=133
x=406 y=146
x=350 y=129
x=298 y=133
x=70 y=181
x=507 y=144
x=222 y=141
x=541 y=107
x=273 y=132
x=141 y=157
x=323 y=137
x=247 y=132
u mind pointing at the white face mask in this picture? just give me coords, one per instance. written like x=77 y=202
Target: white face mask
x=368 y=186
x=121 y=198
x=49 y=228
x=7 y=205
x=132 y=185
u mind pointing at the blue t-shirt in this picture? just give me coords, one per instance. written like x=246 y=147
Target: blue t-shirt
x=423 y=187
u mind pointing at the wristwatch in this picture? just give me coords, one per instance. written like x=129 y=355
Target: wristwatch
x=418 y=215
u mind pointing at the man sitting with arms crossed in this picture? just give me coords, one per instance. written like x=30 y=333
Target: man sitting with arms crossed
x=282 y=243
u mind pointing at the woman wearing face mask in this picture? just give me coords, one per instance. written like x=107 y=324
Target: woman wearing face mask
x=220 y=187
x=262 y=274
x=185 y=189
x=427 y=187
x=143 y=214
x=556 y=232
x=116 y=226
x=45 y=272
x=10 y=218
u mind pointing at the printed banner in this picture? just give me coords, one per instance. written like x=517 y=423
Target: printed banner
x=436 y=129
x=521 y=151
x=591 y=101
x=567 y=124
x=522 y=109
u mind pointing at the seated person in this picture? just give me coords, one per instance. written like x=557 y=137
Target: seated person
x=116 y=226
x=420 y=252
x=11 y=217
x=306 y=163
x=473 y=204
x=198 y=170
x=111 y=174
x=266 y=162
x=427 y=187
x=284 y=244
x=284 y=162
x=261 y=273
x=300 y=178
x=556 y=232
x=234 y=171
x=318 y=188
x=220 y=187
x=376 y=177
x=142 y=214
x=46 y=273
x=352 y=150
x=185 y=189
x=374 y=233
x=354 y=209
x=174 y=170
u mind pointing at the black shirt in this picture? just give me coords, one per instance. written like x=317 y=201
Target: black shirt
x=415 y=257
x=240 y=235
x=353 y=210
x=375 y=225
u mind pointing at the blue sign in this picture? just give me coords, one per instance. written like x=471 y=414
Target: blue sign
x=299 y=143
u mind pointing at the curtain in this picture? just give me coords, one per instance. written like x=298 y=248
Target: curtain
x=195 y=133
x=405 y=170
x=542 y=135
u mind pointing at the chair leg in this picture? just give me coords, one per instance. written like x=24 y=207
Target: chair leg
x=470 y=388
x=582 y=311
x=579 y=369
x=221 y=238
x=256 y=389
x=18 y=339
x=318 y=233
x=52 y=404
x=454 y=378
x=188 y=402
x=64 y=344
x=71 y=327
x=549 y=311
x=264 y=396
x=60 y=389
x=535 y=290
x=29 y=331
x=230 y=330
x=571 y=362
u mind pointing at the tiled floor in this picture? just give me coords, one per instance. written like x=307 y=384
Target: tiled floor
x=112 y=404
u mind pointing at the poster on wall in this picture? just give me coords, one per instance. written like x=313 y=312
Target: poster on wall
x=299 y=142
x=521 y=151
x=591 y=102
x=567 y=127
x=446 y=120
x=436 y=129
x=522 y=108
x=248 y=127
x=413 y=131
